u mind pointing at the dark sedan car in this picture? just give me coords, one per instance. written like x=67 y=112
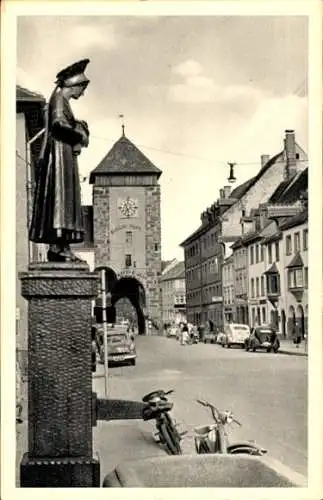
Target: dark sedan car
x=263 y=338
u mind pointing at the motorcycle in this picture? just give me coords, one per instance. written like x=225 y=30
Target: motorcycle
x=158 y=408
x=214 y=438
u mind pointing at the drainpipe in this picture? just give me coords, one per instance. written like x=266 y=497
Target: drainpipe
x=29 y=186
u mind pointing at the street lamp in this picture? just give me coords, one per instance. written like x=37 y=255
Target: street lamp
x=231 y=177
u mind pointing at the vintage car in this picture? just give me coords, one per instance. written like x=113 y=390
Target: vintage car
x=121 y=347
x=263 y=338
x=235 y=334
x=210 y=337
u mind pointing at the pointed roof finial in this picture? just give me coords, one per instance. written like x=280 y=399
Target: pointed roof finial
x=123 y=125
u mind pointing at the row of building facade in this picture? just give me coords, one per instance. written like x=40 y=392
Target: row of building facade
x=247 y=262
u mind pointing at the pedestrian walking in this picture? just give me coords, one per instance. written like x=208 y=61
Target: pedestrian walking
x=185 y=335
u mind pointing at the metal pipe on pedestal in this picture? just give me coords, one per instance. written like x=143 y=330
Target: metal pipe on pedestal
x=29 y=185
x=105 y=329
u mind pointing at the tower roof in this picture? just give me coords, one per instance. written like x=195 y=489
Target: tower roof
x=124 y=158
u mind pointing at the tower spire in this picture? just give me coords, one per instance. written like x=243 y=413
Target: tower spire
x=123 y=125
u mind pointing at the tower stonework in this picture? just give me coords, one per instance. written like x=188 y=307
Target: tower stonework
x=126 y=220
x=153 y=248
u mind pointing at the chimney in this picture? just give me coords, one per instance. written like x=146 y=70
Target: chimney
x=227 y=191
x=264 y=159
x=290 y=151
x=222 y=195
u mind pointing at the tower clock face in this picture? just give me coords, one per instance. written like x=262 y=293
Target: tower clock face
x=128 y=207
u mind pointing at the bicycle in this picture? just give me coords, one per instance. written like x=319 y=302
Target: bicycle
x=214 y=438
x=158 y=408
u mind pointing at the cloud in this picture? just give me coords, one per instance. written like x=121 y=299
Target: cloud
x=270 y=120
x=188 y=68
x=203 y=89
x=89 y=36
x=199 y=88
x=28 y=80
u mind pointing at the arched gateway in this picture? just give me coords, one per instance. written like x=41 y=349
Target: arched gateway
x=127 y=287
x=127 y=229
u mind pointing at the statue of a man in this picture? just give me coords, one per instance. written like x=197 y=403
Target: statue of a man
x=57 y=211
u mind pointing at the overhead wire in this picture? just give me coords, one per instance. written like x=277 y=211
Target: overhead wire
x=300 y=89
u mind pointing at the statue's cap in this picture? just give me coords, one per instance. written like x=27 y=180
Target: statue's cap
x=73 y=74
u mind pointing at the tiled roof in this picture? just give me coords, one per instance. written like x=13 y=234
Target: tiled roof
x=272 y=237
x=252 y=236
x=273 y=269
x=296 y=261
x=176 y=272
x=239 y=191
x=165 y=263
x=32 y=106
x=124 y=158
x=23 y=94
x=237 y=244
x=289 y=191
x=295 y=220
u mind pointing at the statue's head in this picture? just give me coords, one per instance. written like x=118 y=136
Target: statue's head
x=74 y=79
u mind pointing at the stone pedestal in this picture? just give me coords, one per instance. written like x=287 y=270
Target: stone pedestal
x=60 y=402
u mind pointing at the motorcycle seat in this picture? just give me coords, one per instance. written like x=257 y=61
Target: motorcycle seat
x=204 y=429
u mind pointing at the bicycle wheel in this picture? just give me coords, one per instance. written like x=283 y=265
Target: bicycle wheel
x=170 y=439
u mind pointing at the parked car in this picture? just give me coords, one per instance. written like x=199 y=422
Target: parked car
x=219 y=337
x=210 y=337
x=121 y=348
x=172 y=331
x=264 y=338
x=235 y=334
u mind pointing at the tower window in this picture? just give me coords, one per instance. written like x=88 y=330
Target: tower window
x=156 y=247
x=128 y=237
x=128 y=260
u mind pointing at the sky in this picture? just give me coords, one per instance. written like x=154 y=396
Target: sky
x=195 y=92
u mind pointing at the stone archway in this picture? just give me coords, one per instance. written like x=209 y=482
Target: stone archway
x=300 y=321
x=283 y=323
x=110 y=276
x=133 y=290
x=291 y=322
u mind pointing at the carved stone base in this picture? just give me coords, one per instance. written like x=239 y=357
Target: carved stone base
x=65 y=472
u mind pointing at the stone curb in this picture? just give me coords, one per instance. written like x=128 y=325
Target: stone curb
x=292 y=353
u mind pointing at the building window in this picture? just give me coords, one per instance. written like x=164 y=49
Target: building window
x=288 y=242
x=128 y=237
x=251 y=255
x=305 y=277
x=273 y=284
x=261 y=253
x=277 y=251
x=252 y=288
x=262 y=286
x=305 y=239
x=264 y=315
x=295 y=278
x=297 y=242
x=128 y=260
x=270 y=254
x=156 y=247
x=257 y=287
x=257 y=252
